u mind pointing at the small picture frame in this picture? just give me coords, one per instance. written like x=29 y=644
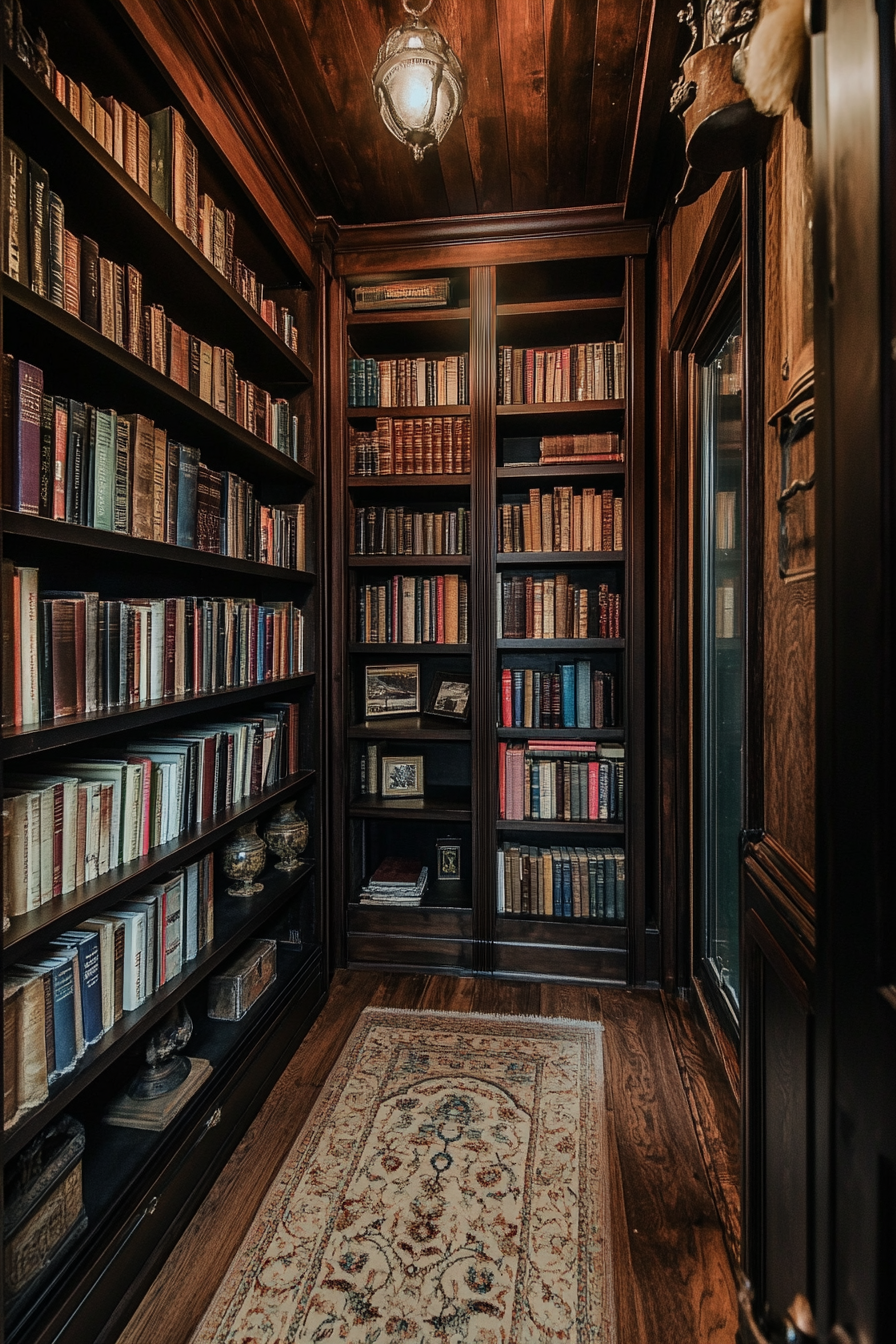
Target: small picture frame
x=391 y=689
x=448 y=859
x=449 y=696
x=402 y=777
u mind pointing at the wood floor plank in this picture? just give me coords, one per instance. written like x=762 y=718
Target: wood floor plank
x=564 y=1001
x=449 y=994
x=501 y=996
x=677 y=1246
x=629 y=1312
x=399 y=991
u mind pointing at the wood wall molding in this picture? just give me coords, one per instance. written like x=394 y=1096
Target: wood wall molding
x=485 y=240
x=720 y=244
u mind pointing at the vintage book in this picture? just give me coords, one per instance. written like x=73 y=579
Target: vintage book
x=16 y=263
x=27 y=447
x=39 y=228
x=90 y=283
x=44 y=1212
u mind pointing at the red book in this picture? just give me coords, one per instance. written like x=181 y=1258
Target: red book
x=507 y=698
x=502 y=779
x=26 y=459
x=530 y=607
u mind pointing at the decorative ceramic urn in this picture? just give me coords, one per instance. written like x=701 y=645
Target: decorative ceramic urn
x=165 y=1068
x=242 y=859
x=287 y=836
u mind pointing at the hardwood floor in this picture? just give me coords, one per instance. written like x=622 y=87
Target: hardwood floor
x=673 y=1149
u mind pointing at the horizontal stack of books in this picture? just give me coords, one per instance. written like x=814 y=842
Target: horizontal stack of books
x=589 y=371
x=412 y=610
x=575 y=696
x=555 y=448
x=562 y=883
x=560 y=520
x=396 y=882
x=41 y=253
x=73 y=653
x=398 y=531
x=80 y=819
x=560 y=781
x=431 y=445
x=409 y=382
x=556 y=608
x=69 y=994
x=75 y=463
x=397 y=294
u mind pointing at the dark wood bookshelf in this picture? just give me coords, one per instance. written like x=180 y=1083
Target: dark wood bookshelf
x=416 y=727
x=564 y=827
x=436 y=482
x=97 y=191
x=29 y=932
x=446 y=650
x=58 y=733
x=438 y=805
x=540 y=408
x=564 y=734
x=404 y=412
x=534 y=645
x=562 y=307
x=409 y=562
x=407 y=317
x=52 y=532
x=541 y=558
x=236 y=919
x=122 y=378
x=544 y=472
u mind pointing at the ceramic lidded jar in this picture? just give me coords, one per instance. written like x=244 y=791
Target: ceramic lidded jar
x=242 y=859
x=287 y=836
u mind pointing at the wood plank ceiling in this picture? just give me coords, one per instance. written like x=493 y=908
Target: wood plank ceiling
x=565 y=99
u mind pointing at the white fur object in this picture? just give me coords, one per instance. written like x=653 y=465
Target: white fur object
x=775 y=56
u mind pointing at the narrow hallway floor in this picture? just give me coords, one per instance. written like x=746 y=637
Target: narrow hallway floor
x=673 y=1152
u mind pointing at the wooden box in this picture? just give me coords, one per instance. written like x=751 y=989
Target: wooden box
x=241 y=984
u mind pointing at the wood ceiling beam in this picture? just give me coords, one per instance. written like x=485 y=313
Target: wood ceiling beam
x=652 y=106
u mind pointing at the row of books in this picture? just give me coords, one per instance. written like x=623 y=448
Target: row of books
x=431 y=445
x=409 y=382
x=69 y=652
x=378 y=530
x=561 y=520
x=107 y=296
x=575 y=696
x=726 y=520
x=562 y=883
x=156 y=153
x=576 y=448
x=560 y=781
x=412 y=610
x=556 y=607
x=87 y=817
x=65 y=998
x=589 y=371
x=396 y=882
x=67 y=460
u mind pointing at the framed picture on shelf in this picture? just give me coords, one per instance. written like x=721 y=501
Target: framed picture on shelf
x=448 y=859
x=449 y=697
x=392 y=689
x=402 y=777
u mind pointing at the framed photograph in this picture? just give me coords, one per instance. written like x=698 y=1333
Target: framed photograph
x=449 y=697
x=402 y=777
x=391 y=690
x=448 y=859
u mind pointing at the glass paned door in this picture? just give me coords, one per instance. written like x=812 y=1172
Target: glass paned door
x=722 y=593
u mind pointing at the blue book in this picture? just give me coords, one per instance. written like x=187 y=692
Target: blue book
x=88 y=945
x=619 y=857
x=567 y=695
x=567 y=884
x=609 y=884
x=535 y=790
x=556 y=883
x=62 y=979
x=583 y=695
x=187 y=478
x=600 y=889
x=517 y=683
x=592 y=883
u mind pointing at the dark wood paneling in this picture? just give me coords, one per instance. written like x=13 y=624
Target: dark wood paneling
x=425 y=922
x=573 y=962
x=384 y=950
x=562 y=933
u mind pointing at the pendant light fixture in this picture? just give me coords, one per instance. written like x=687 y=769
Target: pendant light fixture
x=418 y=83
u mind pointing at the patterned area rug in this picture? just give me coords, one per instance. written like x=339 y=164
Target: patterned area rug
x=449 y=1185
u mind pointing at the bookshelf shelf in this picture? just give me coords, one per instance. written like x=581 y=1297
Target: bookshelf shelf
x=31 y=931
x=119 y=377
x=26 y=741
x=534 y=471
x=537 y=409
x=535 y=645
x=563 y=307
x=443 y=805
x=403 y=482
x=84 y=175
x=407 y=317
x=235 y=921
x=404 y=412
x=564 y=827
x=51 y=532
x=436 y=650
x=505 y=559
x=418 y=727
x=564 y=734
x=409 y=562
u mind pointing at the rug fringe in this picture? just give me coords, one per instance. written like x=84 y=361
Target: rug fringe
x=492 y=1017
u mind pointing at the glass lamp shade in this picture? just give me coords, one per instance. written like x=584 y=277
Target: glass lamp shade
x=419 y=85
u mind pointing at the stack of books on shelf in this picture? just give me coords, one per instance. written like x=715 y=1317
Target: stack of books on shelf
x=379 y=530
x=561 y=520
x=556 y=608
x=560 y=781
x=575 y=696
x=76 y=463
x=83 y=818
x=398 y=294
x=39 y=252
x=69 y=652
x=431 y=445
x=409 y=382
x=562 y=883
x=591 y=371
x=63 y=999
x=412 y=610
x=576 y=448
x=396 y=882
